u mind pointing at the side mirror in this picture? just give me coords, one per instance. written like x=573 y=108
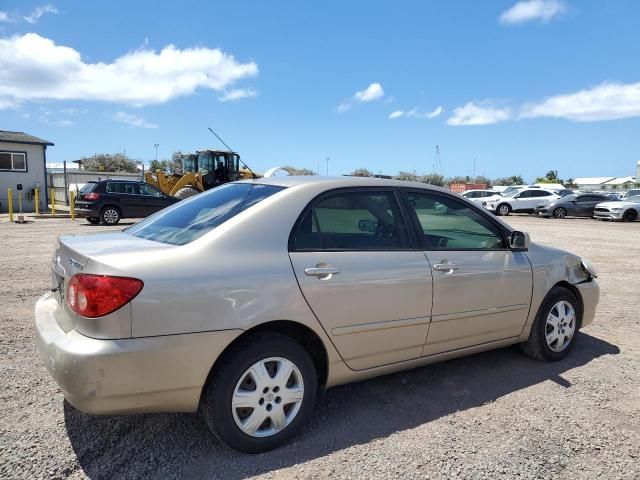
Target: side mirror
x=520 y=241
x=368 y=226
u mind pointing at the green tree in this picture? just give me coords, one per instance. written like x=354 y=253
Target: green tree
x=570 y=183
x=432 y=179
x=482 y=179
x=175 y=164
x=459 y=179
x=407 y=176
x=158 y=165
x=508 y=181
x=298 y=171
x=362 y=172
x=106 y=162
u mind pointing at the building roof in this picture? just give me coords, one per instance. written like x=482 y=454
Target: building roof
x=621 y=181
x=21 y=137
x=592 y=180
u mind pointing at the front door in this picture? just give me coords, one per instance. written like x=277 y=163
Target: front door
x=481 y=289
x=151 y=199
x=352 y=256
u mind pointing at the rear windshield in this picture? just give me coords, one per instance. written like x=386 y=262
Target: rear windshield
x=88 y=187
x=192 y=218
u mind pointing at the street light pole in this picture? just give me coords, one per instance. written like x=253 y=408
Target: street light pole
x=156 y=145
x=327 y=159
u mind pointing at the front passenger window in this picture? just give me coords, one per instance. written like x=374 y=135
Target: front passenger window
x=448 y=224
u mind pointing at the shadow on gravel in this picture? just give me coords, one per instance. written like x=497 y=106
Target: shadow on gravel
x=180 y=445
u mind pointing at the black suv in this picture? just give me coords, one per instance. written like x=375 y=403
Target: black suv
x=108 y=201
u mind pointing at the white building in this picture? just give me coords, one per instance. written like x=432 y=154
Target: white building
x=22 y=162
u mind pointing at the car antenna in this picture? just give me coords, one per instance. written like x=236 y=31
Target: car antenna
x=231 y=150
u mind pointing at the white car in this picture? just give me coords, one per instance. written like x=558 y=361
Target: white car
x=479 y=196
x=520 y=201
x=627 y=210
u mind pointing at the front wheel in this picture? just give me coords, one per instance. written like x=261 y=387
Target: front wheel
x=261 y=394
x=555 y=328
x=630 y=216
x=503 y=209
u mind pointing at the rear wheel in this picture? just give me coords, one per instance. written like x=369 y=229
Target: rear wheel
x=110 y=215
x=186 y=192
x=93 y=220
x=560 y=212
x=503 y=209
x=261 y=393
x=555 y=328
x=630 y=216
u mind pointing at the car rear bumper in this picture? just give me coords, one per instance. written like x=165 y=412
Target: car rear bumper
x=87 y=212
x=133 y=375
x=590 y=293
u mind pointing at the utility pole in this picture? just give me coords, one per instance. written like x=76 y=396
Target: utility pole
x=318 y=167
x=156 y=145
x=438 y=165
x=474 y=169
x=327 y=159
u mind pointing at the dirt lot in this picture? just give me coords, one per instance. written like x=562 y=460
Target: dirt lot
x=492 y=415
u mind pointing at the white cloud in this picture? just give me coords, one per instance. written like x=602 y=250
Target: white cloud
x=607 y=101
x=35 y=68
x=370 y=94
x=482 y=113
x=532 y=10
x=415 y=113
x=238 y=94
x=4 y=17
x=39 y=11
x=133 y=120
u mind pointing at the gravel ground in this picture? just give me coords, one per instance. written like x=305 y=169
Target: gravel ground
x=492 y=415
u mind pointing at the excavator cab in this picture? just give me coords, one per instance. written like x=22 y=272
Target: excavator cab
x=218 y=167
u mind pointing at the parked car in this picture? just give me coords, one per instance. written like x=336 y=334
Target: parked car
x=572 y=205
x=108 y=201
x=247 y=299
x=627 y=210
x=634 y=192
x=479 y=196
x=523 y=201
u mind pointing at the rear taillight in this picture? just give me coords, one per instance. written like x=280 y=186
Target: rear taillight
x=91 y=196
x=98 y=295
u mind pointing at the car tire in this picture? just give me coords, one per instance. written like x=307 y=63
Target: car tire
x=503 y=209
x=93 y=220
x=630 y=216
x=560 y=212
x=233 y=374
x=110 y=215
x=186 y=192
x=555 y=328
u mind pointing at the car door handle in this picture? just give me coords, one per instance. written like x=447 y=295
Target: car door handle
x=446 y=267
x=321 y=272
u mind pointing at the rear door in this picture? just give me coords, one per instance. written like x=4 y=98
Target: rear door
x=481 y=289
x=356 y=263
x=584 y=204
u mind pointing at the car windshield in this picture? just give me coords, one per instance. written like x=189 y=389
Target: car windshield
x=634 y=199
x=190 y=219
x=512 y=193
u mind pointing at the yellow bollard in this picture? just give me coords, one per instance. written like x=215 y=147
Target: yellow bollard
x=37 y=200
x=53 y=202
x=72 y=205
x=10 y=203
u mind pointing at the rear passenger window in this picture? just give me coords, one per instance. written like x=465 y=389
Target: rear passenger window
x=121 y=187
x=353 y=221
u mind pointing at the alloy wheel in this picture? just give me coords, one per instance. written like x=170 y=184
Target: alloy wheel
x=110 y=216
x=504 y=210
x=560 y=213
x=560 y=326
x=267 y=397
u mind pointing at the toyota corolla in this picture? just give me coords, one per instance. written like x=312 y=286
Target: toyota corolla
x=245 y=301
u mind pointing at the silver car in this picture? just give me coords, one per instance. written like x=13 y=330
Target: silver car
x=243 y=302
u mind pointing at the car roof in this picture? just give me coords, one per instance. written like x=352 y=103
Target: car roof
x=343 y=182
x=117 y=180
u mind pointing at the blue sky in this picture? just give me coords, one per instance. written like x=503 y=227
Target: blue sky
x=522 y=87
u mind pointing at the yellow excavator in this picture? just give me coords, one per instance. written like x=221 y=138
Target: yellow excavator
x=202 y=171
